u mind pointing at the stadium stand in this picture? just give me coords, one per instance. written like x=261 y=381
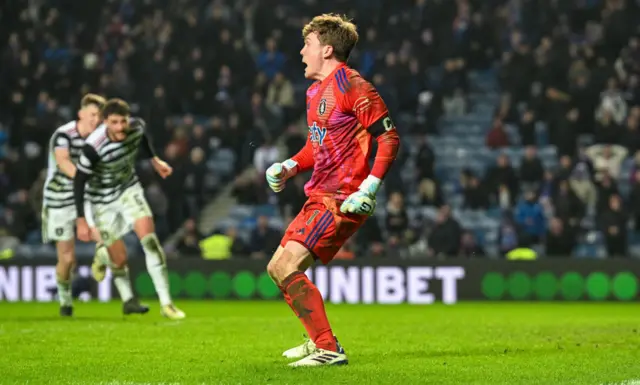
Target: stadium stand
x=519 y=119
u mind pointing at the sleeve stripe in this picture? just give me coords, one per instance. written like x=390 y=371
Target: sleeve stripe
x=84 y=169
x=339 y=83
x=342 y=73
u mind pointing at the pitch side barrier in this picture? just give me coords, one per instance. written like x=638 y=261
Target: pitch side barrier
x=354 y=282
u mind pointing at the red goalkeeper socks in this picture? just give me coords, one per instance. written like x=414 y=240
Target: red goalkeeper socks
x=306 y=301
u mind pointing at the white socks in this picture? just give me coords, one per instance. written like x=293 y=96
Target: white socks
x=157 y=267
x=120 y=276
x=64 y=292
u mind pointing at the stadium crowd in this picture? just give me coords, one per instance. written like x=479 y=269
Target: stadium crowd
x=220 y=83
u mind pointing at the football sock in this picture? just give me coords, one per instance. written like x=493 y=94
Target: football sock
x=307 y=303
x=120 y=275
x=64 y=291
x=287 y=299
x=123 y=283
x=157 y=266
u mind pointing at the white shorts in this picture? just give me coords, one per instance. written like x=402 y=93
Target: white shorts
x=114 y=220
x=58 y=224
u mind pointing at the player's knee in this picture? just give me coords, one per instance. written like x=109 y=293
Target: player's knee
x=118 y=255
x=66 y=254
x=293 y=257
x=143 y=227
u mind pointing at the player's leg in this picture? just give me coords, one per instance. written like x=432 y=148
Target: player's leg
x=308 y=236
x=64 y=274
x=138 y=210
x=57 y=226
x=112 y=252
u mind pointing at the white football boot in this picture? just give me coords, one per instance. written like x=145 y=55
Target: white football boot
x=322 y=357
x=301 y=351
x=172 y=312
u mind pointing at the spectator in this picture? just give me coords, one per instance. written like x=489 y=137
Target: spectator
x=607 y=159
x=247 y=190
x=612 y=103
x=606 y=188
x=292 y=198
x=265 y=156
x=397 y=220
x=502 y=174
x=531 y=169
x=614 y=227
x=271 y=61
x=264 y=239
x=528 y=128
x=568 y=207
x=280 y=94
x=369 y=239
x=631 y=137
x=508 y=234
x=189 y=244
x=444 y=240
x=530 y=217
x=560 y=240
x=634 y=200
x=425 y=159
x=497 y=137
x=456 y=104
x=430 y=193
x=475 y=196
x=469 y=247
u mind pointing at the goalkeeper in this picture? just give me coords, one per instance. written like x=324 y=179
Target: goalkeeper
x=344 y=114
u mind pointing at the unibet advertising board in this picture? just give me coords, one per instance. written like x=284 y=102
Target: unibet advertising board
x=419 y=283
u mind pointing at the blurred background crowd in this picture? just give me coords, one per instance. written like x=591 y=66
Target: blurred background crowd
x=519 y=119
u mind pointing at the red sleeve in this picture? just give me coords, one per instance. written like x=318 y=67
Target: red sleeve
x=362 y=99
x=304 y=157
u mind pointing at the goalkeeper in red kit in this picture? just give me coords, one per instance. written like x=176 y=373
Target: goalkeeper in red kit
x=344 y=115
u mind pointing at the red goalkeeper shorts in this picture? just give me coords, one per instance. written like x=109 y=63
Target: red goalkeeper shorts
x=322 y=228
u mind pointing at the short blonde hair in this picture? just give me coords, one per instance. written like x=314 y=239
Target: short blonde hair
x=334 y=30
x=92 y=99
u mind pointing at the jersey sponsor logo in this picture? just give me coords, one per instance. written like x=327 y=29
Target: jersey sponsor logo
x=317 y=133
x=388 y=124
x=322 y=107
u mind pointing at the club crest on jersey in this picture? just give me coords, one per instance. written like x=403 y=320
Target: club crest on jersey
x=317 y=133
x=322 y=107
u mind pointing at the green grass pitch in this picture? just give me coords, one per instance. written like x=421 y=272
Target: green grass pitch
x=242 y=342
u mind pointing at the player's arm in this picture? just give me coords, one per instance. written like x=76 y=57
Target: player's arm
x=371 y=111
x=88 y=159
x=61 y=144
x=362 y=99
x=149 y=152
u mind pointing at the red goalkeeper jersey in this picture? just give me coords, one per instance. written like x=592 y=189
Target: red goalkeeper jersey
x=344 y=114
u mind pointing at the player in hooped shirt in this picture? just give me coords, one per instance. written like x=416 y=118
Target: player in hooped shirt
x=344 y=115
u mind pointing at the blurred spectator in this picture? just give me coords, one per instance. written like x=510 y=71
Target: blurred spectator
x=264 y=239
x=508 y=234
x=444 y=240
x=531 y=169
x=606 y=188
x=560 y=240
x=430 y=193
x=607 y=159
x=613 y=224
x=189 y=239
x=370 y=240
x=528 y=129
x=456 y=104
x=397 y=220
x=497 y=137
x=292 y=198
x=530 y=217
x=247 y=189
x=469 y=246
x=265 y=156
x=568 y=207
x=475 y=195
x=425 y=159
x=502 y=177
x=634 y=200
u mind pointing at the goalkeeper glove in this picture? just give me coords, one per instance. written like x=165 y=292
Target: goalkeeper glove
x=278 y=173
x=363 y=201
